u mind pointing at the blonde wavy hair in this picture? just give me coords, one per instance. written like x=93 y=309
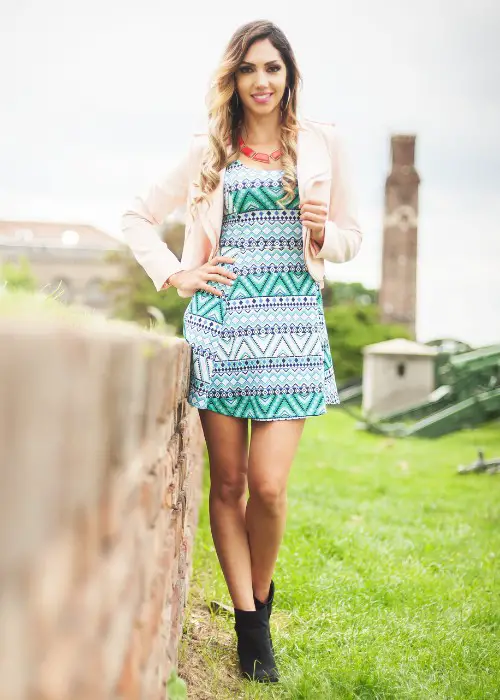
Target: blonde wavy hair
x=225 y=112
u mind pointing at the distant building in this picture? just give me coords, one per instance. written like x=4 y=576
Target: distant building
x=397 y=298
x=64 y=256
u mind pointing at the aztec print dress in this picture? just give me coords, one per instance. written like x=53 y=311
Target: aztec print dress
x=261 y=350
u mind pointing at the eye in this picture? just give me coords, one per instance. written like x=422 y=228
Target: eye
x=275 y=69
x=245 y=69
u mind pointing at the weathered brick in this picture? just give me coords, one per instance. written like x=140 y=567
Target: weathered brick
x=16 y=640
x=151 y=498
x=52 y=585
x=100 y=484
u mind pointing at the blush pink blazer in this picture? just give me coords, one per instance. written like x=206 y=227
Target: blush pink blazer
x=322 y=173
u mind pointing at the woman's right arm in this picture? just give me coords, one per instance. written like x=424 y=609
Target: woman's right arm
x=149 y=210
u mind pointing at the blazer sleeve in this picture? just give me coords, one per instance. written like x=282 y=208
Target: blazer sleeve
x=343 y=234
x=149 y=209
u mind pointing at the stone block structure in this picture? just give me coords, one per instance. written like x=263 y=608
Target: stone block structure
x=398 y=291
x=397 y=374
x=100 y=484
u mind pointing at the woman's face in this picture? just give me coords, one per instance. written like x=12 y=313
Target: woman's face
x=261 y=78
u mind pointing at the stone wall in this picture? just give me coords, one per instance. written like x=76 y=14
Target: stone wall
x=100 y=483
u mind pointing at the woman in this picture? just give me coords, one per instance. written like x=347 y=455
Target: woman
x=268 y=200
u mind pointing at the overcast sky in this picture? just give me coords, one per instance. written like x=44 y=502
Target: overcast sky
x=100 y=97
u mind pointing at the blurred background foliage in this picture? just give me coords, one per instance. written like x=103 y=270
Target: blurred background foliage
x=18 y=276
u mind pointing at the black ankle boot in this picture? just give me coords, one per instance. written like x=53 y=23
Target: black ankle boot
x=268 y=605
x=254 y=648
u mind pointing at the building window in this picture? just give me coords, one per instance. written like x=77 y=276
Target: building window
x=401 y=369
x=70 y=238
x=95 y=294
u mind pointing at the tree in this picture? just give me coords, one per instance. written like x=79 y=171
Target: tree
x=134 y=292
x=350 y=328
x=18 y=276
x=335 y=293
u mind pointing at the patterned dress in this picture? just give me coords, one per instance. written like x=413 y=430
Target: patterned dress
x=261 y=350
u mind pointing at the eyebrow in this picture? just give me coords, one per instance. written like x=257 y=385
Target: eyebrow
x=275 y=60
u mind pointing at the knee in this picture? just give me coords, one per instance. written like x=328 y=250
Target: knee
x=271 y=496
x=229 y=490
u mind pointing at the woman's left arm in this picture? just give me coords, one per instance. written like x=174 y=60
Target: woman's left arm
x=335 y=234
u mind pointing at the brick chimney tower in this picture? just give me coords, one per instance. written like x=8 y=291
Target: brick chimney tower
x=397 y=298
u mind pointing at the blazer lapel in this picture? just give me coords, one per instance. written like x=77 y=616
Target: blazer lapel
x=313 y=161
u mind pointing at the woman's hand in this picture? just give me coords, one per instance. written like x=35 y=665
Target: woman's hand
x=190 y=281
x=313 y=214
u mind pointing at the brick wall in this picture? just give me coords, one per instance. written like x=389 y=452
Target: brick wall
x=100 y=482
x=398 y=289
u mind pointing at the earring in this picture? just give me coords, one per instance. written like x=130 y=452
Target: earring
x=287 y=100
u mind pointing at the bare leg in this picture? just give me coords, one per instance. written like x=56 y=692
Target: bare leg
x=272 y=448
x=227 y=445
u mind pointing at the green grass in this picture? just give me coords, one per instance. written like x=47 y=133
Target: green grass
x=26 y=305
x=21 y=304
x=387 y=581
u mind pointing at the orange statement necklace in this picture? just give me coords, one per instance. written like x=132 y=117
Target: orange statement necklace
x=255 y=155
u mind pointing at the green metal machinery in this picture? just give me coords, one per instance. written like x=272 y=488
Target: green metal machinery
x=467 y=394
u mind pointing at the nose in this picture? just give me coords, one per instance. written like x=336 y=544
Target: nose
x=262 y=79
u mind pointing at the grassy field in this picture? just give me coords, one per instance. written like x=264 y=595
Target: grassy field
x=387 y=581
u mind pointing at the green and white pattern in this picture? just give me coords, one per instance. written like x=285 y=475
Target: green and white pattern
x=261 y=350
